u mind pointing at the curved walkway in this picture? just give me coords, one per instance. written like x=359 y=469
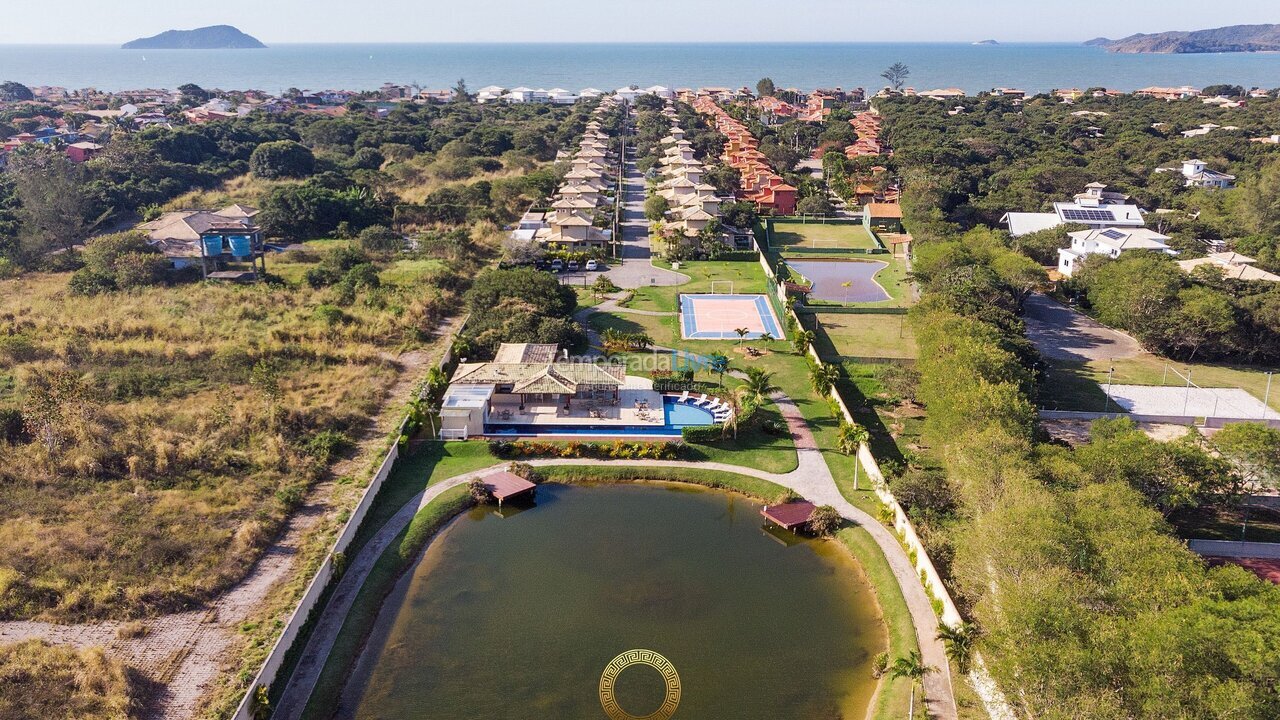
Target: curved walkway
x=320 y=643
x=811 y=479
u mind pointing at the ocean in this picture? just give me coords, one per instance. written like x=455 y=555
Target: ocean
x=1031 y=67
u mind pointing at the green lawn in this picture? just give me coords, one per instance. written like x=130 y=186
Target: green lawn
x=747 y=277
x=403 y=272
x=893 y=697
x=422 y=463
x=839 y=235
x=844 y=335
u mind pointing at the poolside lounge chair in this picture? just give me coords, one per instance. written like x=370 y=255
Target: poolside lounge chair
x=684 y=397
x=702 y=401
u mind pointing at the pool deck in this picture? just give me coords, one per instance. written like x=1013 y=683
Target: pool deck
x=581 y=413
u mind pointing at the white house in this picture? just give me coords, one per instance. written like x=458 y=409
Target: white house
x=1096 y=208
x=663 y=92
x=1111 y=242
x=1197 y=174
x=628 y=94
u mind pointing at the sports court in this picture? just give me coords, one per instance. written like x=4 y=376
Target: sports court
x=719 y=317
x=1189 y=401
x=817 y=235
x=846 y=281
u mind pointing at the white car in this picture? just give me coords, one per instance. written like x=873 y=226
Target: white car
x=593 y=265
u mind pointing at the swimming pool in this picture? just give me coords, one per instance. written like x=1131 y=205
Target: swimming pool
x=678 y=416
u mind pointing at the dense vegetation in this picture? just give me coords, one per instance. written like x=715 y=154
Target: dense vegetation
x=967 y=170
x=315 y=175
x=1088 y=605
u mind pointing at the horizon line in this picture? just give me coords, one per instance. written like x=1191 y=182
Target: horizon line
x=271 y=44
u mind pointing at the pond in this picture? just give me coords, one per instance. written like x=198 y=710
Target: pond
x=829 y=276
x=517 y=617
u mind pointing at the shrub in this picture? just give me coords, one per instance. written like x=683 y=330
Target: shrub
x=777 y=428
x=478 y=492
x=87 y=281
x=380 y=238
x=331 y=315
x=825 y=521
x=616 y=450
x=12 y=429
x=702 y=434
x=325 y=444
x=281 y=159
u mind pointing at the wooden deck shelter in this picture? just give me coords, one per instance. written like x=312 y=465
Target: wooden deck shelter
x=503 y=486
x=789 y=516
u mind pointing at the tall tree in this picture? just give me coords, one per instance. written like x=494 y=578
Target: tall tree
x=765 y=88
x=897 y=75
x=54 y=204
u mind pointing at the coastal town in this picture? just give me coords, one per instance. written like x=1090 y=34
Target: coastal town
x=995 y=364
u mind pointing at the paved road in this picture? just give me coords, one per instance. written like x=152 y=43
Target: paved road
x=636 y=268
x=1061 y=333
x=811 y=479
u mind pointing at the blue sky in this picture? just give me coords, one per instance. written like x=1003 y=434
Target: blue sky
x=283 y=21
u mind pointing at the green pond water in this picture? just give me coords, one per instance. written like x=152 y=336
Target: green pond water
x=516 y=617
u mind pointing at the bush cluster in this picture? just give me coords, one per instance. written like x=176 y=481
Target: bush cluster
x=616 y=450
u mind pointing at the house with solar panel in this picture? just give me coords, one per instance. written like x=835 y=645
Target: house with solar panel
x=1096 y=207
x=1111 y=242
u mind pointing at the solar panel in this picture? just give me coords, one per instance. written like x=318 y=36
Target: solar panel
x=1112 y=234
x=1078 y=215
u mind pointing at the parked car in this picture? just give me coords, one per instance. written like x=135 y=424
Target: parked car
x=557 y=265
x=594 y=265
x=573 y=266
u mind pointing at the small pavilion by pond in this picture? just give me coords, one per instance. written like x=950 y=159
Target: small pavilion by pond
x=789 y=516
x=504 y=486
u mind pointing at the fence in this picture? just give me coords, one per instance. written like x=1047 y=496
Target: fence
x=1206 y=422
x=326 y=574
x=316 y=589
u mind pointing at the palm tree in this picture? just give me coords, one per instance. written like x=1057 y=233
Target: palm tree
x=766 y=337
x=718 y=363
x=823 y=376
x=959 y=640
x=803 y=340
x=759 y=385
x=742 y=334
x=912 y=666
x=849 y=438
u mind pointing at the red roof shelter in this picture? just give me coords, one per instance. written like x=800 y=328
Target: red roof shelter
x=504 y=486
x=789 y=516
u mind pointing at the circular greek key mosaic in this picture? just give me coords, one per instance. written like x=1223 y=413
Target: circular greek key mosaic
x=640 y=657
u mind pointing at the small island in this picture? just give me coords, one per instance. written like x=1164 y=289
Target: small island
x=214 y=37
x=986 y=42
x=1236 y=38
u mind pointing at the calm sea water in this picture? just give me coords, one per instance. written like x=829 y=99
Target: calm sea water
x=1033 y=67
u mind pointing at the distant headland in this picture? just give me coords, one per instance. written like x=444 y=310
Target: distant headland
x=1235 y=38
x=214 y=37
x=986 y=42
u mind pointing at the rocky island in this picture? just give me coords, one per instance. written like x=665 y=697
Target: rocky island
x=1236 y=38
x=214 y=37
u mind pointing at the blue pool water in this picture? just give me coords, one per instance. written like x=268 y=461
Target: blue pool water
x=678 y=416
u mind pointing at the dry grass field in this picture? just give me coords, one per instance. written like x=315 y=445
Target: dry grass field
x=153 y=441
